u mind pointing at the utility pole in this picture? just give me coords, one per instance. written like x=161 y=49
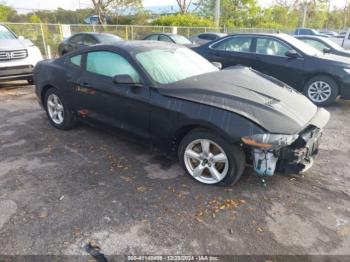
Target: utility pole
x=304 y=14
x=346 y=13
x=217 y=13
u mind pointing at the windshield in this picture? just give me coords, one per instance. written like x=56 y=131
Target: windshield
x=305 y=48
x=108 y=38
x=5 y=34
x=181 y=40
x=333 y=44
x=167 y=66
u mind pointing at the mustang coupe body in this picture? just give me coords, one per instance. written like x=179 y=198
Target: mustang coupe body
x=216 y=121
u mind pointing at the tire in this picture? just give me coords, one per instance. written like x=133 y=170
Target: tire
x=30 y=81
x=327 y=87
x=67 y=120
x=228 y=171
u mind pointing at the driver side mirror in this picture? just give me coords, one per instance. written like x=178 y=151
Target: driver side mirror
x=327 y=50
x=292 y=54
x=125 y=80
x=21 y=37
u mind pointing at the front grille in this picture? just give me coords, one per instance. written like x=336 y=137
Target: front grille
x=12 y=55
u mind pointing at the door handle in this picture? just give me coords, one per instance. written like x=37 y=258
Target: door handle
x=84 y=84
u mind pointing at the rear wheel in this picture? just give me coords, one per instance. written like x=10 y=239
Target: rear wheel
x=321 y=90
x=58 y=110
x=209 y=159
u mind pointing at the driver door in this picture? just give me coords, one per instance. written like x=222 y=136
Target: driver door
x=100 y=99
x=271 y=60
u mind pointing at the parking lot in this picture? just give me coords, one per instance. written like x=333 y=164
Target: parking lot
x=62 y=189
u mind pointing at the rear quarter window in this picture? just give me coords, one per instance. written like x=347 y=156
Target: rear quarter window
x=76 y=60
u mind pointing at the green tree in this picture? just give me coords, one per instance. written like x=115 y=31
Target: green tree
x=234 y=13
x=183 y=20
x=35 y=19
x=278 y=17
x=105 y=7
x=6 y=13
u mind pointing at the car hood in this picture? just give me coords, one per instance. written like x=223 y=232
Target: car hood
x=14 y=44
x=264 y=100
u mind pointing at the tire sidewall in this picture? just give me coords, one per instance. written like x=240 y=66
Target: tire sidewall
x=330 y=82
x=68 y=120
x=233 y=172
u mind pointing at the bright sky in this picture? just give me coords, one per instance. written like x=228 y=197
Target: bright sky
x=74 y=4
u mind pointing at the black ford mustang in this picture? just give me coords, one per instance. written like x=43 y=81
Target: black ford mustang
x=216 y=121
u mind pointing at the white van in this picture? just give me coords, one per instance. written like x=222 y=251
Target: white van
x=18 y=56
x=346 y=40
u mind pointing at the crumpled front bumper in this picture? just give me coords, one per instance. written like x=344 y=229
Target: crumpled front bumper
x=300 y=155
x=297 y=157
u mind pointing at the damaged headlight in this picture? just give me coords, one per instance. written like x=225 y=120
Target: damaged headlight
x=269 y=141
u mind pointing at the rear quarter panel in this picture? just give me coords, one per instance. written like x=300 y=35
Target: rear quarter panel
x=50 y=73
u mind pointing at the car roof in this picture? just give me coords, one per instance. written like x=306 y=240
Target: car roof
x=310 y=36
x=91 y=33
x=169 y=34
x=259 y=34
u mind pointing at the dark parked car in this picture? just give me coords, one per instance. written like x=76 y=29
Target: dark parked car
x=322 y=77
x=308 y=31
x=171 y=38
x=207 y=37
x=213 y=119
x=81 y=40
x=324 y=45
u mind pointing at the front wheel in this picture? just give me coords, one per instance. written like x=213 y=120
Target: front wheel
x=321 y=90
x=209 y=159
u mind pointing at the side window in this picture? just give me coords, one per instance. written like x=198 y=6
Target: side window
x=235 y=44
x=207 y=37
x=269 y=46
x=152 y=38
x=77 y=39
x=316 y=44
x=89 y=40
x=76 y=60
x=110 y=64
x=304 y=32
x=164 y=38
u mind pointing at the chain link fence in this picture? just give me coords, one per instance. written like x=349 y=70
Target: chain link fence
x=48 y=36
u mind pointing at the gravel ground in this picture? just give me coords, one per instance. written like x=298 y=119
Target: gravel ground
x=62 y=189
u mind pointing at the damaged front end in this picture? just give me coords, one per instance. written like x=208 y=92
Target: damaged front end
x=283 y=153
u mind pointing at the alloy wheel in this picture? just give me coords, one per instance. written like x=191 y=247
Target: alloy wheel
x=206 y=161
x=55 y=109
x=319 y=91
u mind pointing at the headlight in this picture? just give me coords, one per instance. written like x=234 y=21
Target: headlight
x=269 y=141
x=347 y=70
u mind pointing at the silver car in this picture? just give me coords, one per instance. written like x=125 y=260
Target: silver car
x=18 y=56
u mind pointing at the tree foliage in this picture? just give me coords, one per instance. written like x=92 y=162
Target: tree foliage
x=183 y=20
x=285 y=14
x=105 y=7
x=6 y=13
